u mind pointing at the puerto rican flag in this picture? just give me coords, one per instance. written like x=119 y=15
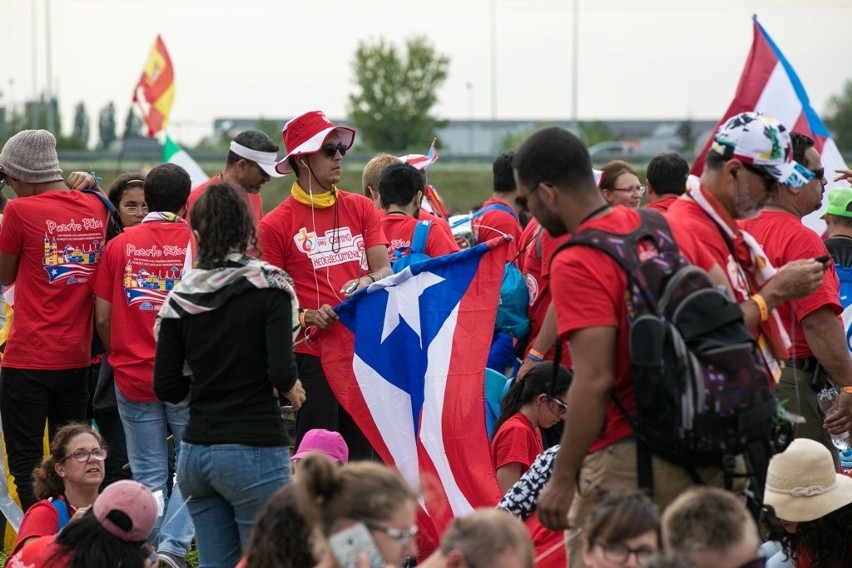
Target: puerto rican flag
x=769 y=84
x=415 y=384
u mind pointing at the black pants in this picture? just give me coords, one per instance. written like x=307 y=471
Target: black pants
x=28 y=398
x=321 y=410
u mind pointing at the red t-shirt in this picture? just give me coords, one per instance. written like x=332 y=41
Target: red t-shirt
x=399 y=229
x=321 y=249
x=517 y=441
x=41 y=519
x=139 y=268
x=255 y=202
x=662 y=204
x=37 y=554
x=538 y=248
x=497 y=222
x=438 y=223
x=58 y=237
x=784 y=238
x=687 y=216
x=588 y=291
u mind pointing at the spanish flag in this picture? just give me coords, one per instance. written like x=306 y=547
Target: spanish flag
x=155 y=91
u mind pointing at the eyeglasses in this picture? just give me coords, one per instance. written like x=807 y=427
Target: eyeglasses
x=82 y=456
x=521 y=200
x=619 y=553
x=134 y=209
x=769 y=182
x=818 y=174
x=640 y=189
x=402 y=536
x=563 y=408
x=331 y=149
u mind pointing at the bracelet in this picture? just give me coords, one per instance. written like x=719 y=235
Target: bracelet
x=534 y=355
x=302 y=318
x=761 y=307
x=372 y=276
x=847 y=390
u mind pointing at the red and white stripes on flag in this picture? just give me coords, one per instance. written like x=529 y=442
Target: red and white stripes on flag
x=769 y=84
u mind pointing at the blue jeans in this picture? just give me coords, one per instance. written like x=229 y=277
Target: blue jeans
x=226 y=486
x=145 y=426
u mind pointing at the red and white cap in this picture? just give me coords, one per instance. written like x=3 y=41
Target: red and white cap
x=306 y=134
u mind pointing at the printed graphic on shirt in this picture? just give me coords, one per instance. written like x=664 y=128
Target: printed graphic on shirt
x=336 y=246
x=148 y=277
x=72 y=250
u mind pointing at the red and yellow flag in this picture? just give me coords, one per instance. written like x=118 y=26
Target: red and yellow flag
x=155 y=91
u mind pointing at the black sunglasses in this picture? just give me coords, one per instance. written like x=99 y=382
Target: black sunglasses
x=331 y=149
x=771 y=182
x=818 y=174
x=522 y=200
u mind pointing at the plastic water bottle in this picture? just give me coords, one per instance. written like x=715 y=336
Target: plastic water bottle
x=827 y=399
x=846 y=461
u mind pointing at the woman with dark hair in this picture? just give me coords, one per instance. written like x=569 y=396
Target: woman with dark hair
x=67 y=481
x=337 y=498
x=813 y=503
x=532 y=403
x=622 y=530
x=620 y=184
x=230 y=323
x=112 y=533
x=281 y=536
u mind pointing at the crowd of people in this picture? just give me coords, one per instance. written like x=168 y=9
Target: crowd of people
x=159 y=329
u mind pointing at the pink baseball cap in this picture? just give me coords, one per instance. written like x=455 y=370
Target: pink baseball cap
x=321 y=441
x=306 y=134
x=136 y=502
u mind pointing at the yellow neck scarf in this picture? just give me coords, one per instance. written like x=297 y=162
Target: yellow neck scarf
x=320 y=201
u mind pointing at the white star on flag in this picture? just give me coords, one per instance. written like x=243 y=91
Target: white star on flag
x=401 y=307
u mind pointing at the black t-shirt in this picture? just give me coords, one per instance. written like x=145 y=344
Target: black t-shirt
x=840 y=249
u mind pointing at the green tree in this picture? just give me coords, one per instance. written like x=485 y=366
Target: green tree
x=592 y=133
x=396 y=91
x=81 y=124
x=270 y=128
x=106 y=127
x=133 y=125
x=839 y=117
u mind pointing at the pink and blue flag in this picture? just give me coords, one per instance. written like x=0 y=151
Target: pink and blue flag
x=770 y=85
x=407 y=361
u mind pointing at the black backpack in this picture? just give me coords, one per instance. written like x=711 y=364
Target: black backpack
x=702 y=389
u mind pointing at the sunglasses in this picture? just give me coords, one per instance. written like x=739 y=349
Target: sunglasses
x=770 y=182
x=562 y=406
x=522 y=201
x=331 y=150
x=818 y=174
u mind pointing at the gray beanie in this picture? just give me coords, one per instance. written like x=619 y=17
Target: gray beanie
x=30 y=156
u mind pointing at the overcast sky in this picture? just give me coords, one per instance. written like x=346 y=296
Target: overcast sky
x=278 y=58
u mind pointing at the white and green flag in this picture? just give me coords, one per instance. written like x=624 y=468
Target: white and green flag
x=174 y=154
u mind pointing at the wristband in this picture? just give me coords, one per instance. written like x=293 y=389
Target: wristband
x=302 y=318
x=534 y=355
x=847 y=390
x=761 y=307
x=372 y=276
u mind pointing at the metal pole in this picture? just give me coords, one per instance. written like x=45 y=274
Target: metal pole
x=574 y=57
x=51 y=117
x=35 y=53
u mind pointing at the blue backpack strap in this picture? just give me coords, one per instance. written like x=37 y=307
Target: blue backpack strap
x=62 y=510
x=113 y=212
x=421 y=233
x=479 y=212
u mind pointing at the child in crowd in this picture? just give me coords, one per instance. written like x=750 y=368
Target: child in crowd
x=623 y=530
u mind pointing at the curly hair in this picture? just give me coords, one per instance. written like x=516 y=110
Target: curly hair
x=46 y=482
x=366 y=491
x=280 y=536
x=825 y=541
x=223 y=223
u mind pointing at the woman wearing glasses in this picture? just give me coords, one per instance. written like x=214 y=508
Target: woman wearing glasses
x=361 y=507
x=620 y=184
x=66 y=483
x=622 y=531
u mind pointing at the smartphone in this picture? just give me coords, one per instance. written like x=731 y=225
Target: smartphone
x=354 y=286
x=353 y=542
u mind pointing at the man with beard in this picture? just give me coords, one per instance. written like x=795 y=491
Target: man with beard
x=811 y=322
x=251 y=161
